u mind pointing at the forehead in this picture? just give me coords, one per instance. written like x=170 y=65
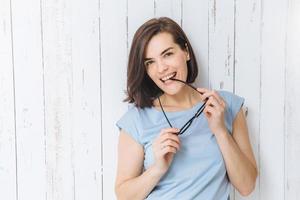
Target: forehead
x=159 y=43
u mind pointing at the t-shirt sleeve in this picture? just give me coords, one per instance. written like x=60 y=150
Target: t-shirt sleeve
x=237 y=103
x=233 y=105
x=129 y=123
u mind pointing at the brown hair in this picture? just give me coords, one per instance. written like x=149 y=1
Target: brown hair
x=141 y=90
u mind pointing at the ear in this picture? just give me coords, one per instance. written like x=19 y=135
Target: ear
x=187 y=52
x=188 y=56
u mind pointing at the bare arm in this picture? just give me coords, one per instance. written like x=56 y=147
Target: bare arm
x=132 y=183
x=236 y=148
x=239 y=159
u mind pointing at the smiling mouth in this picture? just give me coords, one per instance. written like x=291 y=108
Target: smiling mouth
x=166 y=78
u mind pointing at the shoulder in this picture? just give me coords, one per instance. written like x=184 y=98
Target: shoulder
x=129 y=122
x=131 y=114
x=230 y=98
x=226 y=95
x=132 y=110
x=233 y=105
x=234 y=102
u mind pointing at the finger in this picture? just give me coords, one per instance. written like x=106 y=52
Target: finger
x=213 y=101
x=171 y=143
x=219 y=106
x=218 y=97
x=168 y=149
x=202 y=90
x=165 y=134
x=206 y=95
x=170 y=136
x=169 y=130
x=214 y=94
x=208 y=111
x=213 y=110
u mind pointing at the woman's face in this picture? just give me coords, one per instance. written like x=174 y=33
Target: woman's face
x=164 y=59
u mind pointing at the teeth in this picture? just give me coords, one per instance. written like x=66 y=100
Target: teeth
x=168 y=77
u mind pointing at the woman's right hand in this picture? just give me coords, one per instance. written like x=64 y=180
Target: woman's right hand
x=164 y=147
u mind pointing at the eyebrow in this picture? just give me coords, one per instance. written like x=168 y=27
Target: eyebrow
x=164 y=51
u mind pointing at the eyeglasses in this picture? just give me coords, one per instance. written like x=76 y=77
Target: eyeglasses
x=189 y=122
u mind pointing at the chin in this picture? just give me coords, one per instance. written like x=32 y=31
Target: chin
x=172 y=91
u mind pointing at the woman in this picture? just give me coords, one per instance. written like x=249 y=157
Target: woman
x=160 y=156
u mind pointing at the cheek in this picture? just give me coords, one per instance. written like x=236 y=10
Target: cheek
x=179 y=62
x=181 y=66
x=151 y=74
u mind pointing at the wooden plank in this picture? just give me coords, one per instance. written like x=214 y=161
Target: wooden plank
x=72 y=99
x=221 y=44
x=58 y=99
x=8 y=171
x=85 y=138
x=195 y=26
x=273 y=34
x=29 y=99
x=247 y=71
x=292 y=99
x=113 y=83
x=138 y=13
x=221 y=47
x=168 y=8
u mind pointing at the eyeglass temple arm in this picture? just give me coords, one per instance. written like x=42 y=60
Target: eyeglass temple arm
x=174 y=79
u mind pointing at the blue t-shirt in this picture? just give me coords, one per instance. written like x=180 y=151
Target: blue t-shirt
x=198 y=169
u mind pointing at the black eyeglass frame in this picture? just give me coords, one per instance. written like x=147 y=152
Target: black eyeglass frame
x=189 y=122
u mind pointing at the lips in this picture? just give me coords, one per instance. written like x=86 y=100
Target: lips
x=168 y=77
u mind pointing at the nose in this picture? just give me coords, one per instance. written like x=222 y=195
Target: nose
x=161 y=66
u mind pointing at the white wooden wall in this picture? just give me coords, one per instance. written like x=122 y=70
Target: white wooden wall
x=63 y=73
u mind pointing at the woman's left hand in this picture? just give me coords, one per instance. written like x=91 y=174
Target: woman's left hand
x=214 y=110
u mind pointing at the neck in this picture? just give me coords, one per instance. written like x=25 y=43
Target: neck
x=185 y=98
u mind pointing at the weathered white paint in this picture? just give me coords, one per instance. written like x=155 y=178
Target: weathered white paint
x=137 y=13
x=59 y=86
x=113 y=42
x=29 y=99
x=247 y=71
x=28 y=71
x=8 y=175
x=71 y=55
x=169 y=8
x=221 y=44
x=195 y=15
x=272 y=106
x=86 y=91
x=63 y=76
x=292 y=99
